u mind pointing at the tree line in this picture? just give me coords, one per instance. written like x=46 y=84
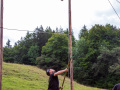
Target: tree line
x=96 y=55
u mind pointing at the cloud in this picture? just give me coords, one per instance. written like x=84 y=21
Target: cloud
x=13 y=36
x=108 y=16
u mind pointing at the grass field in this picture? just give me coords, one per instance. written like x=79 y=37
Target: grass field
x=26 y=77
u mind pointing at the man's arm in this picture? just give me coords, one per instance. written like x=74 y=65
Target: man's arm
x=60 y=72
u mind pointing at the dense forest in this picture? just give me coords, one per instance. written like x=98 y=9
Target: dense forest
x=96 y=55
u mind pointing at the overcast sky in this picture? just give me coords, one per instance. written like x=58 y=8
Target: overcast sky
x=28 y=14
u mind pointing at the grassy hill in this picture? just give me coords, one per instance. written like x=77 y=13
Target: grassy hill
x=26 y=77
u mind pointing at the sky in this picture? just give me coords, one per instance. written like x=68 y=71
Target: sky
x=29 y=14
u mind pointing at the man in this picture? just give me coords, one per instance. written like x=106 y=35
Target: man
x=53 y=78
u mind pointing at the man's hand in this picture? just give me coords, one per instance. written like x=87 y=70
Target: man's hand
x=61 y=88
x=66 y=70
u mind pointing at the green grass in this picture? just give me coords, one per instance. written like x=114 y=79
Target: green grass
x=26 y=77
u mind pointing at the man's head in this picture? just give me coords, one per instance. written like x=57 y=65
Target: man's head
x=49 y=71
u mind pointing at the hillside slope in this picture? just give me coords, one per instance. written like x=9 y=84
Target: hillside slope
x=26 y=77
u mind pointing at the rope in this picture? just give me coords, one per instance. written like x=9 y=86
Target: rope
x=114 y=9
x=118 y=1
x=66 y=72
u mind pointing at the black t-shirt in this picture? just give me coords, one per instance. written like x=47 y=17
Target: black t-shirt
x=116 y=87
x=53 y=82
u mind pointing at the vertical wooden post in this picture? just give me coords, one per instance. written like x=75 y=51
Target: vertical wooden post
x=1 y=41
x=70 y=42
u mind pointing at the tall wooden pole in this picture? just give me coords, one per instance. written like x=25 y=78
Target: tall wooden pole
x=70 y=43
x=1 y=41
